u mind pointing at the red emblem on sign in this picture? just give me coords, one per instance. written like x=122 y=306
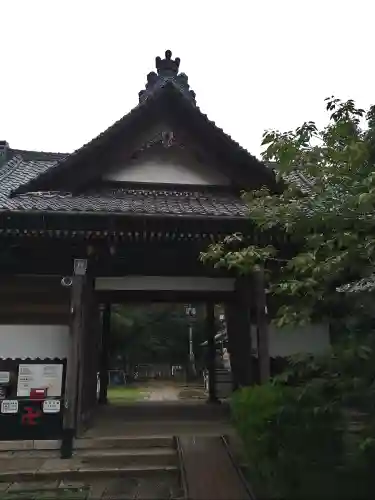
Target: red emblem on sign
x=29 y=418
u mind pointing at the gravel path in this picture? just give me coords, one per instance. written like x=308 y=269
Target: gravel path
x=164 y=393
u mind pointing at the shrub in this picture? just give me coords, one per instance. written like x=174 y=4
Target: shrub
x=293 y=442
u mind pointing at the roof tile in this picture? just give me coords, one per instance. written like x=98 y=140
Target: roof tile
x=119 y=200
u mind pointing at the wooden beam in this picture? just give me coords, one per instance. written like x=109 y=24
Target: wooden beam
x=262 y=325
x=31 y=283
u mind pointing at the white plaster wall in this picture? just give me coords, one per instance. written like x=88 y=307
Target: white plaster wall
x=167 y=171
x=312 y=339
x=165 y=283
x=34 y=341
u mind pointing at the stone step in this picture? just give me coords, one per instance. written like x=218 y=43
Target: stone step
x=139 y=442
x=23 y=454
x=69 y=473
x=152 y=487
x=27 y=444
x=136 y=457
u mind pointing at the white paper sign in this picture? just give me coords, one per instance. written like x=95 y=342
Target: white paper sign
x=4 y=377
x=39 y=377
x=51 y=406
x=9 y=406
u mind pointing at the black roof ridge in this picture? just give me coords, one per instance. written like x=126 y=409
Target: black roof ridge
x=35 y=151
x=9 y=166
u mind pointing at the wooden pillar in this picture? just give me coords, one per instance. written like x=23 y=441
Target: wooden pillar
x=231 y=313
x=243 y=338
x=104 y=354
x=72 y=372
x=87 y=352
x=211 y=352
x=262 y=325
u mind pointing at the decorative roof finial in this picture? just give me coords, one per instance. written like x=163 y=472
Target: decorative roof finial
x=167 y=71
x=167 y=66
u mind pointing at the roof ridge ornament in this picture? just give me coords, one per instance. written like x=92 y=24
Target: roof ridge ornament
x=167 y=65
x=167 y=71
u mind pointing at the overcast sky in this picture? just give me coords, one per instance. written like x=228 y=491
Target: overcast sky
x=69 y=69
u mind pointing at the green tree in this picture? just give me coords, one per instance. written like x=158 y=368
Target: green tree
x=319 y=225
x=322 y=214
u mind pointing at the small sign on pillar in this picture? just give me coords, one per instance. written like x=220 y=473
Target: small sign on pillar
x=80 y=267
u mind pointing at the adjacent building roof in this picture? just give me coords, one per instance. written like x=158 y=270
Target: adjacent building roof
x=363 y=285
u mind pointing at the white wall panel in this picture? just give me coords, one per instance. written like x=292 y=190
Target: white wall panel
x=34 y=341
x=167 y=171
x=313 y=339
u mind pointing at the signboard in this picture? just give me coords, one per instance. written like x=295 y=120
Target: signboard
x=80 y=267
x=51 y=406
x=30 y=422
x=4 y=377
x=9 y=406
x=39 y=377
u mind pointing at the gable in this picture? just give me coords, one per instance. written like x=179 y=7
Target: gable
x=166 y=98
x=167 y=165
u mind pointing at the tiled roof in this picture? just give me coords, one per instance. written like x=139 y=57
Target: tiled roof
x=120 y=200
x=304 y=183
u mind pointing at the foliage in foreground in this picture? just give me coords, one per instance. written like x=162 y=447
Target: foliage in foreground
x=292 y=443
x=325 y=213
x=299 y=430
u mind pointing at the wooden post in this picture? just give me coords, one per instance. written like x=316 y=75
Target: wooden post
x=86 y=352
x=71 y=383
x=231 y=316
x=211 y=352
x=243 y=336
x=104 y=354
x=262 y=325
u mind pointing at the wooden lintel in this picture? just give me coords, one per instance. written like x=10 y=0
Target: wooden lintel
x=32 y=283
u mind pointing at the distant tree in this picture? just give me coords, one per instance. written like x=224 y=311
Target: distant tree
x=156 y=333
